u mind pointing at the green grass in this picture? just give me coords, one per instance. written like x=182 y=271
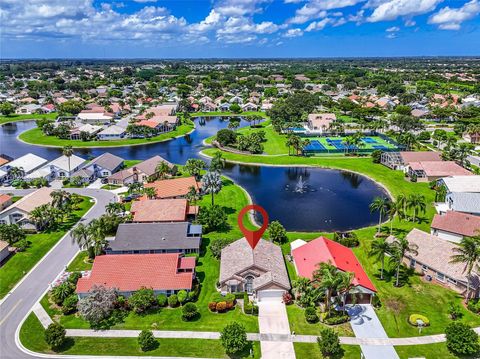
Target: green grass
x=110 y=186
x=80 y=263
x=429 y=351
x=311 y=351
x=20 y=263
x=226 y=113
x=131 y=163
x=275 y=143
x=32 y=337
x=17 y=118
x=35 y=136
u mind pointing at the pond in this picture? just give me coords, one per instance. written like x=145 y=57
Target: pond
x=301 y=198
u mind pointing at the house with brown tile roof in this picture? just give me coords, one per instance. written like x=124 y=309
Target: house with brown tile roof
x=400 y=160
x=427 y=171
x=174 y=188
x=163 y=210
x=19 y=212
x=5 y=201
x=320 y=122
x=141 y=172
x=453 y=226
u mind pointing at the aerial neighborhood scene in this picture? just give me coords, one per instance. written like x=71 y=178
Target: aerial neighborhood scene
x=240 y=179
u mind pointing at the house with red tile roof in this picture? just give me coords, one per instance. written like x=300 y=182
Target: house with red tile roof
x=174 y=188
x=5 y=201
x=453 y=226
x=308 y=255
x=165 y=273
x=427 y=171
x=162 y=210
x=401 y=160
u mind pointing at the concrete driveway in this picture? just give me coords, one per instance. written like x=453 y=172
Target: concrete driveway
x=365 y=324
x=273 y=319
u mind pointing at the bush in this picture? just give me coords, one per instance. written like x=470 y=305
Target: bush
x=212 y=306
x=146 y=340
x=239 y=295
x=217 y=245
x=234 y=338
x=221 y=307
x=311 y=315
x=74 y=277
x=376 y=156
x=287 y=298
x=212 y=218
x=173 y=301
x=329 y=344
x=189 y=311
x=226 y=137
x=454 y=311
x=412 y=319
x=230 y=305
x=61 y=292
x=336 y=319
x=142 y=300
x=162 y=300
x=461 y=339
x=376 y=301
x=474 y=306
x=55 y=335
x=69 y=305
x=276 y=232
x=254 y=309
x=347 y=239
x=122 y=302
x=22 y=245
x=182 y=296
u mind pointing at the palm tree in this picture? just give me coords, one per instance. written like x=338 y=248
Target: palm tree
x=440 y=193
x=468 y=253
x=67 y=151
x=162 y=169
x=16 y=172
x=345 y=284
x=60 y=199
x=81 y=235
x=329 y=279
x=192 y=194
x=402 y=201
x=114 y=208
x=212 y=183
x=217 y=163
x=150 y=192
x=416 y=202
x=293 y=141
x=40 y=217
x=399 y=248
x=135 y=187
x=380 y=204
x=394 y=209
x=380 y=248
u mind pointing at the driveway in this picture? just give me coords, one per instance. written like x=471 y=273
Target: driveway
x=273 y=319
x=365 y=324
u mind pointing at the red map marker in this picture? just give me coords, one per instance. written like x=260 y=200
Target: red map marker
x=253 y=236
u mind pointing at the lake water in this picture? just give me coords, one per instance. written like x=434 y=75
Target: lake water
x=301 y=198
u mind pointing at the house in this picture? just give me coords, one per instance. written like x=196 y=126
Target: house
x=260 y=272
x=320 y=122
x=5 y=201
x=472 y=137
x=162 y=210
x=113 y=132
x=19 y=212
x=401 y=160
x=96 y=115
x=141 y=172
x=463 y=194
x=61 y=167
x=27 y=163
x=165 y=273
x=236 y=99
x=178 y=237
x=419 y=113
x=174 y=188
x=28 y=109
x=427 y=171
x=453 y=226
x=224 y=106
x=91 y=130
x=249 y=106
x=463 y=184
x=4 y=252
x=434 y=262
x=105 y=165
x=307 y=256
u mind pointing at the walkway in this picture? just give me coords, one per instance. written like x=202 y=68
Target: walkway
x=365 y=324
x=273 y=320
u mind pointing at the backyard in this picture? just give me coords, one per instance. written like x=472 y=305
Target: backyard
x=16 y=118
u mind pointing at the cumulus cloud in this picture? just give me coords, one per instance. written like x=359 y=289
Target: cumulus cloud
x=317 y=9
x=293 y=33
x=452 y=19
x=410 y=23
x=392 y=9
x=318 y=25
x=393 y=29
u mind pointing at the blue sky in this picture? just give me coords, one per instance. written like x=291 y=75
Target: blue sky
x=238 y=28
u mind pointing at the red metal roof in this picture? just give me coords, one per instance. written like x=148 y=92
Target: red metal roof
x=321 y=250
x=130 y=272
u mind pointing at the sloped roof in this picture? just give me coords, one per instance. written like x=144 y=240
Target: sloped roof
x=173 y=187
x=457 y=222
x=28 y=162
x=33 y=200
x=107 y=161
x=462 y=183
x=62 y=162
x=440 y=168
x=160 y=210
x=412 y=156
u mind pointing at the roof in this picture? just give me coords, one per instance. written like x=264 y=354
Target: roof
x=32 y=200
x=465 y=202
x=321 y=119
x=83 y=172
x=3 y=161
x=4 y=198
x=107 y=161
x=113 y=130
x=151 y=236
x=436 y=253
x=323 y=250
x=238 y=256
x=439 y=168
x=173 y=187
x=87 y=115
x=3 y=245
x=462 y=183
x=160 y=210
x=28 y=162
x=411 y=156
x=62 y=162
x=131 y=272
x=149 y=166
x=456 y=222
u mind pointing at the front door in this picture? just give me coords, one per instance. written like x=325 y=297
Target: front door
x=249 y=285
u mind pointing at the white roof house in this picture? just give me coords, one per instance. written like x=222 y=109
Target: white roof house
x=93 y=116
x=28 y=163
x=62 y=162
x=462 y=184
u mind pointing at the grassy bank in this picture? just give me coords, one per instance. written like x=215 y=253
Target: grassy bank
x=311 y=351
x=229 y=114
x=17 y=118
x=20 y=263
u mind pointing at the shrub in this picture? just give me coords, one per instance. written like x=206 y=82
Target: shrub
x=217 y=246
x=121 y=302
x=474 y=306
x=69 y=305
x=347 y=239
x=173 y=300
x=230 y=297
x=234 y=338
x=329 y=344
x=146 y=340
x=74 y=277
x=162 y=300
x=142 y=300
x=276 y=232
x=189 y=311
x=212 y=306
x=287 y=298
x=311 y=315
x=254 y=309
x=376 y=302
x=221 y=307
x=97 y=305
x=55 y=335
x=376 y=156
x=239 y=295
x=226 y=137
x=212 y=218
x=336 y=319
x=461 y=339
x=412 y=319
x=230 y=305
x=62 y=291
x=454 y=311
x=182 y=296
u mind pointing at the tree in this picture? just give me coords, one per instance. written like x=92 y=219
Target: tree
x=226 y=137
x=97 y=305
x=192 y=194
x=234 y=338
x=217 y=245
x=235 y=108
x=142 y=300
x=16 y=172
x=416 y=202
x=406 y=123
x=6 y=108
x=11 y=233
x=194 y=166
x=380 y=204
x=162 y=169
x=189 y=311
x=68 y=152
x=55 y=335
x=212 y=183
x=398 y=250
x=328 y=278
x=329 y=344
x=218 y=163
x=62 y=292
x=147 y=341
x=115 y=208
x=276 y=232
x=150 y=192
x=468 y=254
x=380 y=248
x=212 y=218
x=135 y=187
x=462 y=339
x=71 y=107
x=81 y=235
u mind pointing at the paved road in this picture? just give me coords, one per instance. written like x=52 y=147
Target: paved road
x=19 y=302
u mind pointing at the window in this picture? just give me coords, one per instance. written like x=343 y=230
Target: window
x=440 y=277
x=424 y=268
x=451 y=281
x=249 y=284
x=412 y=263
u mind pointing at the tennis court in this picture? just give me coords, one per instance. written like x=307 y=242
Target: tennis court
x=336 y=144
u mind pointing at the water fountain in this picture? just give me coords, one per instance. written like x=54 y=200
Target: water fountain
x=301 y=186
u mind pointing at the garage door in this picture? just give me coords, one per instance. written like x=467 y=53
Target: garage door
x=270 y=295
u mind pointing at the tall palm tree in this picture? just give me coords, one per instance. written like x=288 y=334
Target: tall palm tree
x=67 y=151
x=345 y=284
x=328 y=278
x=416 y=202
x=380 y=248
x=114 y=208
x=162 y=170
x=150 y=192
x=212 y=183
x=402 y=201
x=394 y=209
x=380 y=204
x=293 y=141
x=81 y=235
x=399 y=248
x=468 y=253
x=16 y=172
x=217 y=163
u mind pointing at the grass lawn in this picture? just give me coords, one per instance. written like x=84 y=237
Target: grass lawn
x=110 y=186
x=430 y=351
x=221 y=113
x=80 y=263
x=35 y=136
x=311 y=351
x=20 y=263
x=32 y=337
x=131 y=163
x=275 y=143
x=16 y=118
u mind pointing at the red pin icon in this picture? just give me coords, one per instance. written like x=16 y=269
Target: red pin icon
x=253 y=236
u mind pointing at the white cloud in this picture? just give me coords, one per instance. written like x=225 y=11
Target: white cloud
x=293 y=33
x=392 y=35
x=318 y=25
x=393 y=29
x=317 y=9
x=410 y=23
x=392 y=9
x=293 y=1
x=145 y=1
x=452 y=19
